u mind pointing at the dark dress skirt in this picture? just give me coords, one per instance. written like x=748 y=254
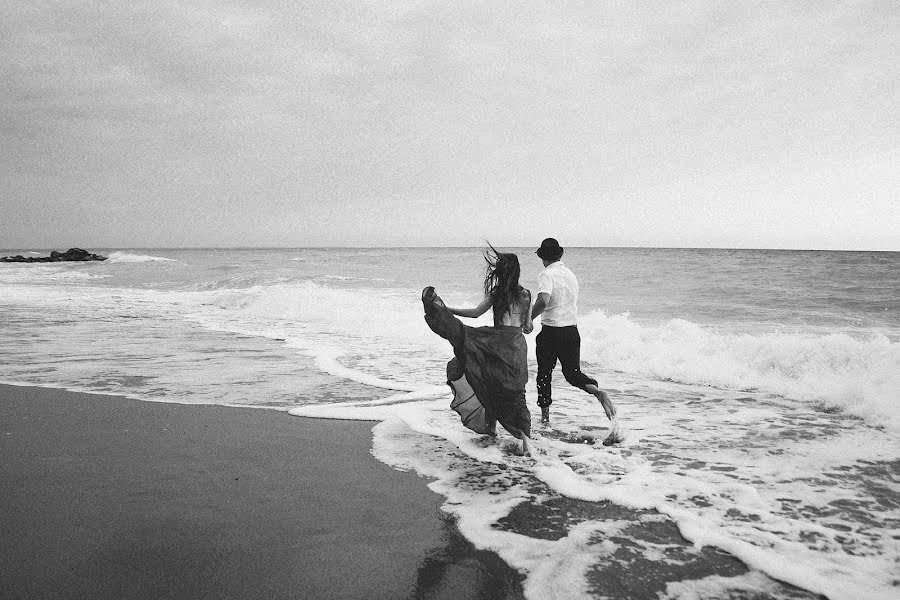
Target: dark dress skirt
x=488 y=372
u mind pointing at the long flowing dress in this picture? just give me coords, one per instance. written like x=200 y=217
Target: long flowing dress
x=488 y=372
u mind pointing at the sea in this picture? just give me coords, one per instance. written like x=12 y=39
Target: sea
x=756 y=390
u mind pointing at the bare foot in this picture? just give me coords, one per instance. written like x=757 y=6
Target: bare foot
x=603 y=397
x=615 y=436
x=526 y=450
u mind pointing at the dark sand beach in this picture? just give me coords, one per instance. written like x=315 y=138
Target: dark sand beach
x=106 y=497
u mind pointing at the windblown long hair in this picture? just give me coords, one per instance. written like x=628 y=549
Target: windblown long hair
x=501 y=279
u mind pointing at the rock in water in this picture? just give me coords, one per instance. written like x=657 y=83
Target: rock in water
x=72 y=254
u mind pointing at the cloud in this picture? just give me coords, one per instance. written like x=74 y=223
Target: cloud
x=413 y=120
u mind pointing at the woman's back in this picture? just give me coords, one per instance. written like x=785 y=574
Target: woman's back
x=517 y=314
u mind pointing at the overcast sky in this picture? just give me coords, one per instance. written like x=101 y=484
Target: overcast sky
x=216 y=123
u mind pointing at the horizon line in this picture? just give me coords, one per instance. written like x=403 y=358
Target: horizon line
x=425 y=247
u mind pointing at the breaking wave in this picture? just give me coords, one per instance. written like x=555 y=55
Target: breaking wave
x=124 y=257
x=856 y=373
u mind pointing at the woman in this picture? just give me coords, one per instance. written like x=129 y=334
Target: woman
x=489 y=370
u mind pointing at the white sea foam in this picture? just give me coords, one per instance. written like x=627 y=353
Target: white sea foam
x=716 y=587
x=43 y=273
x=380 y=332
x=124 y=257
x=349 y=278
x=762 y=535
x=859 y=375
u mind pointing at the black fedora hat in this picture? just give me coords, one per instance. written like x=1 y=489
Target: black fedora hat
x=549 y=250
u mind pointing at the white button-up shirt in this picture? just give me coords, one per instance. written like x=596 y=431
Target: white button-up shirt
x=558 y=281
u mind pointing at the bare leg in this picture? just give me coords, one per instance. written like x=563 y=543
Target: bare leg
x=603 y=397
x=519 y=434
x=615 y=435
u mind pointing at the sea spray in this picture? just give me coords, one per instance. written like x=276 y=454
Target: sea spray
x=125 y=257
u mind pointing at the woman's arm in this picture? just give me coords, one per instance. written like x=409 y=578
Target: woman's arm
x=527 y=322
x=479 y=310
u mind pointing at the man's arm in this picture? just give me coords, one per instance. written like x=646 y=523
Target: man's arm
x=540 y=304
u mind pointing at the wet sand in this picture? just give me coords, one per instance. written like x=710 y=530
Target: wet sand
x=106 y=497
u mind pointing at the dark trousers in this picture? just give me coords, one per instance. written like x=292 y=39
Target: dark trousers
x=564 y=344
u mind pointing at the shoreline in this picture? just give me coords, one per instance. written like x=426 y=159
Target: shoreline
x=108 y=496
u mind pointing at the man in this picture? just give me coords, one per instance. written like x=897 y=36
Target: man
x=557 y=303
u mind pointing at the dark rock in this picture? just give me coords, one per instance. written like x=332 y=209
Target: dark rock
x=72 y=254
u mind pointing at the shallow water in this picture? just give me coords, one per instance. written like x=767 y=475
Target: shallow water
x=756 y=390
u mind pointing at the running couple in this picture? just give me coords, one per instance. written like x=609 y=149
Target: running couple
x=489 y=370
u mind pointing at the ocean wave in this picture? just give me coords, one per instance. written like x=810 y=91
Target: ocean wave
x=124 y=257
x=379 y=338
x=374 y=314
x=376 y=338
x=858 y=374
x=348 y=278
x=32 y=273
